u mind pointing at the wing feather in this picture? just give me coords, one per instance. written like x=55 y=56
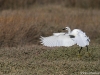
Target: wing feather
x=61 y=40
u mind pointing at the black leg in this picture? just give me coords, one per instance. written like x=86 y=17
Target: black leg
x=80 y=50
x=88 y=52
x=87 y=48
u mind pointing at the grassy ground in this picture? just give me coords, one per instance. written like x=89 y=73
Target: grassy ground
x=39 y=60
x=21 y=54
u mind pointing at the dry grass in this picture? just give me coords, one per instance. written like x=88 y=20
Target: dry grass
x=15 y=4
x=19 y=27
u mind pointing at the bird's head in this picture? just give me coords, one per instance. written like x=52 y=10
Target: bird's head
x=66 y=28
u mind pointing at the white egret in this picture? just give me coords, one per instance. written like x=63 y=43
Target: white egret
x=67 y=39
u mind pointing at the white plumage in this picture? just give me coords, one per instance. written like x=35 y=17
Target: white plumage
x=66 y=39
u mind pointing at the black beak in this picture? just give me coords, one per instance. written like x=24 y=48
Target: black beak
x=64 y=29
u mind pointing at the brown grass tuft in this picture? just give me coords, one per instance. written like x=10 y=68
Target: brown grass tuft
x=20 y=27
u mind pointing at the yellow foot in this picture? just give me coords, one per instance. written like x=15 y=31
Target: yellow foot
x=79 y=56
x=89 y=54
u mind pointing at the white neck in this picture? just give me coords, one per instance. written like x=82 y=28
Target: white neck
x=69 y=30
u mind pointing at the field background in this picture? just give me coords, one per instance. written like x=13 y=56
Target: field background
x=23 y=22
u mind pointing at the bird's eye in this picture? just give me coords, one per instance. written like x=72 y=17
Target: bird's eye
x=66 y=28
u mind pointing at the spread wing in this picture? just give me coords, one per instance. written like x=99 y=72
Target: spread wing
x=57 y=40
